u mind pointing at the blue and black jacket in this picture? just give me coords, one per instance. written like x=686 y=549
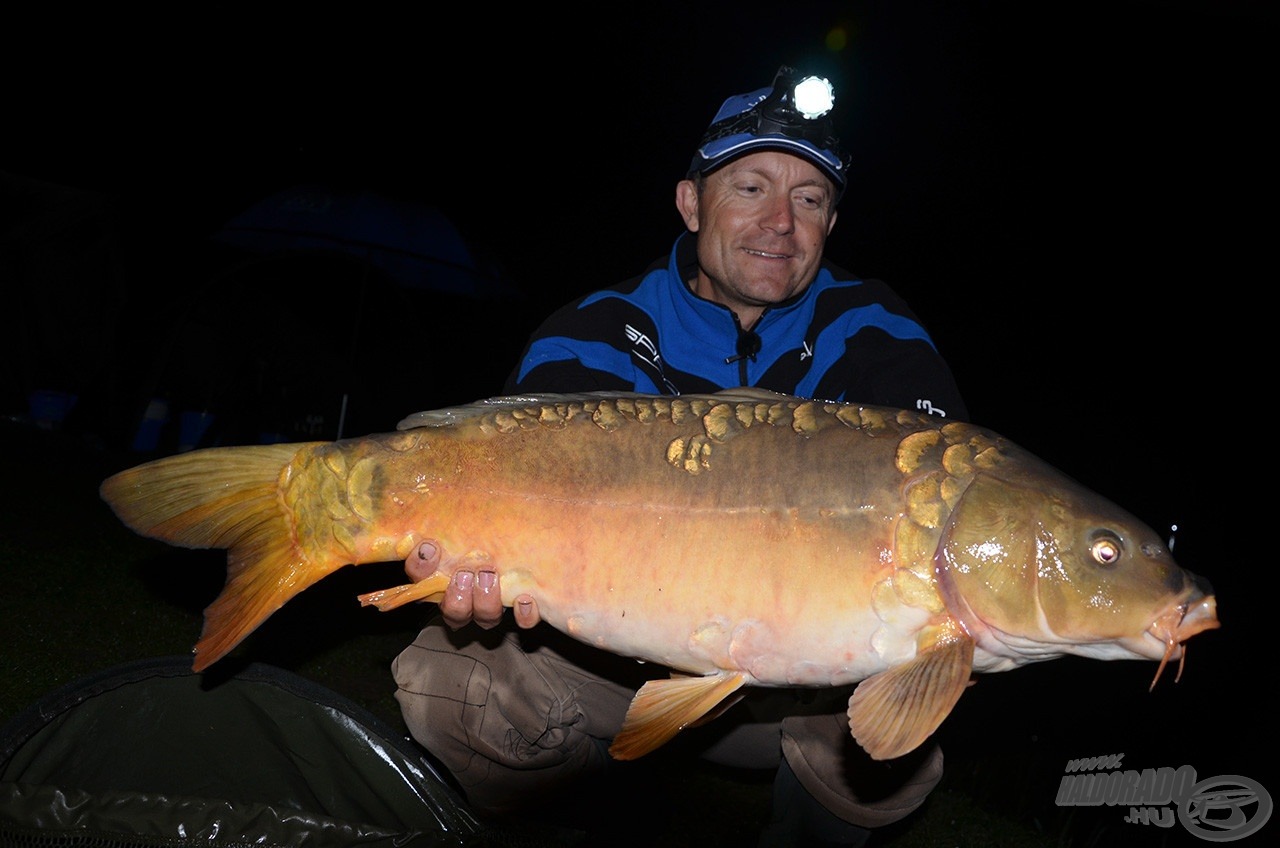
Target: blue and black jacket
x=843 y=338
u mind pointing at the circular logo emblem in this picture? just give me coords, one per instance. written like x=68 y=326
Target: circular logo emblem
x=1225 y=808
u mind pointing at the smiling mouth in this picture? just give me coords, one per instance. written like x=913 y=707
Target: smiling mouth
x=766 y=254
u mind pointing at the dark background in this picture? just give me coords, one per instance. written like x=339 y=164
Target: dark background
x=1073 y=197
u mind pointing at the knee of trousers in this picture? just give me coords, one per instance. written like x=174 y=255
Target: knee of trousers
x=504 y=720
x=837 y=772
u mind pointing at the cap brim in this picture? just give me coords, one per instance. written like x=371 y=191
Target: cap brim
x=723 y=151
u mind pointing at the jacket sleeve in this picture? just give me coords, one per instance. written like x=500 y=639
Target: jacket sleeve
x=569 y=352
x=567 y=374
x=887 y=360
x=904 y=373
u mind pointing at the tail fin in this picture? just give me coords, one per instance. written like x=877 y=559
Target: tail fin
x=225 y=497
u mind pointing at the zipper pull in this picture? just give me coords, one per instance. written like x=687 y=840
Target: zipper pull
x=748 y=346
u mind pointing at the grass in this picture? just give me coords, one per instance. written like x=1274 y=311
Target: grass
x=83 y=594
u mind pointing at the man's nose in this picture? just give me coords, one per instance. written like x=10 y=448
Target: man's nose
x=779 y=216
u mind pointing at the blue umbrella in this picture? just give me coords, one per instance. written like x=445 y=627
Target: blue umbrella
x=407 y=245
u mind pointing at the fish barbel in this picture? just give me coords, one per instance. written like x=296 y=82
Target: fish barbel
x=741 y=538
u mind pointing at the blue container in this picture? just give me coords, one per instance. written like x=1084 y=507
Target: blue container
x=192 y=427
x=49 y=407
x=153 y=420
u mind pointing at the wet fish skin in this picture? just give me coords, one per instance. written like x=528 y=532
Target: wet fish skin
x=740 y=538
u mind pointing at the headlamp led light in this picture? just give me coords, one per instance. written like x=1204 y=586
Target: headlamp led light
x=814 y=97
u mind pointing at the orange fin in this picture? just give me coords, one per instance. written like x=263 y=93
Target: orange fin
x=892 y=713
x=715 y=713
x=719 y=710
x=226 y=497
x=662 y=708
x=429 y=589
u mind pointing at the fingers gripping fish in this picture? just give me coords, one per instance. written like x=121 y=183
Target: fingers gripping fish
x=741 y=538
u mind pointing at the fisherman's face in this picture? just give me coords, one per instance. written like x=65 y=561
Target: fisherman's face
x=762 y=222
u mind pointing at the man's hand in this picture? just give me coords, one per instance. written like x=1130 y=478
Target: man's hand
x=474 y=594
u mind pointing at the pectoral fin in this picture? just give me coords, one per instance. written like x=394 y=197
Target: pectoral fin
x=429 y=589
x=893 y=712
x=662 y=708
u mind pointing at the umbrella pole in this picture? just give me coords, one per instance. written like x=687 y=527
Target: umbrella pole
x=355 y=337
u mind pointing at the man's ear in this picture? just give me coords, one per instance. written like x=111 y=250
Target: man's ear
x=687 y=203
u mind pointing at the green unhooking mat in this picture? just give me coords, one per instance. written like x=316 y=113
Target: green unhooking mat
x=152 y=754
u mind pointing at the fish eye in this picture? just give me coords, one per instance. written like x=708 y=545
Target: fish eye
x=1106 y=550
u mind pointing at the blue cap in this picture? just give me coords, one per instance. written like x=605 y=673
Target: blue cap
x=771 y=119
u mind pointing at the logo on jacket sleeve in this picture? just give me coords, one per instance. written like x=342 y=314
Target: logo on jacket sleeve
x=926 y=405
x=644 y=350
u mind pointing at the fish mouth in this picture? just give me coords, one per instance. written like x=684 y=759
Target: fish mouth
x=1178 y=624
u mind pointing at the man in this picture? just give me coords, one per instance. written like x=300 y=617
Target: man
x=745 y=298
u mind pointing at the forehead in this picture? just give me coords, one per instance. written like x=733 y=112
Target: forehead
x=776 y=165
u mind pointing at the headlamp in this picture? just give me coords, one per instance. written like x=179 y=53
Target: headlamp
x=794 y=115
x=793 y=109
